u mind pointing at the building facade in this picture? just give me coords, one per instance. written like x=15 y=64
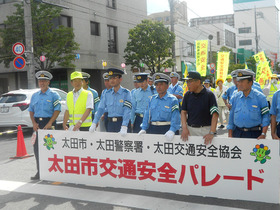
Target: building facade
x=257 y=24
x=101 y=29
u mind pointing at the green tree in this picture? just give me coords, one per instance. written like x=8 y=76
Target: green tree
x=150 y=43
x=56 y=43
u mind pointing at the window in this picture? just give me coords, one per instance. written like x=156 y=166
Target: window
x=245 y=42
x=112 y=39
x=230 y=39
x=63 y=20
x=190 y=50
x=94 y=28
x=218 y=38
x=66 y=21
x=111 y=4
x=245 y=30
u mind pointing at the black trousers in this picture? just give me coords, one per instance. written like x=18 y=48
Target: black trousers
x=42 y=123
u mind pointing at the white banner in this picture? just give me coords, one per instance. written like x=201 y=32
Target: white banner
x=243 y=169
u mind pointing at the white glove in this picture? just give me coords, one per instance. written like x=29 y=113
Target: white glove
x=169 y=135
x=123 y=131
x=142 y=132
x=71 y=128
x=92 y=128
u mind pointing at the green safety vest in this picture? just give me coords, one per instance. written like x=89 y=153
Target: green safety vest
x=77 y=111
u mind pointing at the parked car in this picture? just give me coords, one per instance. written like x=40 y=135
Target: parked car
x=14 y=107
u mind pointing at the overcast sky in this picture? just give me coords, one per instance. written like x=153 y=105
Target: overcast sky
x=196 y=8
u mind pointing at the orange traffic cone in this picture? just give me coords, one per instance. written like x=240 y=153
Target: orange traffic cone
x=21 y=149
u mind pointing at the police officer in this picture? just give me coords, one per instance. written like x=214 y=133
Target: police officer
x=107 y=87
x=275 y=116
x=140 y=101
x=199 y=115
x=136 y=85
x=208 y=86
x=162 y=115
x=249 y=115
x=151 y=81
x=117 y=101
x=79 y=105
x=175 y=88
x=96 y=98
x=44 y=108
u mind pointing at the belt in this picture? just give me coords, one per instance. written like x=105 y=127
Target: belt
x=114 y=119
x=160 y=123
x=256 y=128
x=42 y=118
x=140 y=115
x=197 y=126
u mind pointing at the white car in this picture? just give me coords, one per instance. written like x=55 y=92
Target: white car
x=14 y=107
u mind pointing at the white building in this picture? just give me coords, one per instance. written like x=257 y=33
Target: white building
x=100 y=27
x=255 y=18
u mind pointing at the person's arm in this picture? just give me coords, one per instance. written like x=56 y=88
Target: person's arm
x=65 y=119
x=273 y=112
x=265 y=116
x=83 y=118
x=175 y=116
x=127 y=109
x=51 y=121
x=185 y=131
x=273 y=127
x=35 y=125
x=209 y=137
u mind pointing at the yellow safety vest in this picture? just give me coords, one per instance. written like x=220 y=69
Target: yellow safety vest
x=273 y=89
x=77 y=111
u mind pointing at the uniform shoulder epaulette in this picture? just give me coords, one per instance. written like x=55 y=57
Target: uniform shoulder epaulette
x=126 y=90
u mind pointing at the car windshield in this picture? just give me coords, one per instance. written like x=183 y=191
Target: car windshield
x=12 y=98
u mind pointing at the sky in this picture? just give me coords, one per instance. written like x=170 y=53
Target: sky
x=196 y=8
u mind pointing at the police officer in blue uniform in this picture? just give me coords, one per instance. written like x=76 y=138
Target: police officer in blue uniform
x=275 y=115
x=162 y=115
x=140 y=100
x=249 y=115
x=175 y=88
x=96 y=98
x=136 y=85
x=117 y=101
x=44 y=108
x=107 y=87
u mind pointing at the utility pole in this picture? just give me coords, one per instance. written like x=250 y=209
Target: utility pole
x=29 y=44
x=256 y=32
x=171 y=5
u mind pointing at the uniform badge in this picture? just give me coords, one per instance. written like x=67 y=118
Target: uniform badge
x=157 y=77
x=167 y=107
x=121 y=101
x=48 y=101
x=110 y=73
x=254 y=106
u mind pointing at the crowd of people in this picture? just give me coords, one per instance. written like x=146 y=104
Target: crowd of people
x=157 y=105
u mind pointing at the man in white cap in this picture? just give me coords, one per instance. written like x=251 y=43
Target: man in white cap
x=175 y=88
x=162 y=115
x=79 y=105
x=44 y=108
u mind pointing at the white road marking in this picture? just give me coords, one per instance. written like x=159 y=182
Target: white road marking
x=97 y=196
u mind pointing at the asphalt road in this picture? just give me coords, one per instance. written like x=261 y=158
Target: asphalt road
x=17 y=191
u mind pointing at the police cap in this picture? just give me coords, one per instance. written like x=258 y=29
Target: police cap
x=174 y=74
x=150 y=78
x=207 y=81
x=141 y=77
x=85 y=75
x=112 y=72
x=244 y=74
x=160 y=77
x=234 y=74
x=43 y=75
x=105 y=76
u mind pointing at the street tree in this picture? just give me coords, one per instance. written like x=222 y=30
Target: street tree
x=150 y=44
x=54 y=41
